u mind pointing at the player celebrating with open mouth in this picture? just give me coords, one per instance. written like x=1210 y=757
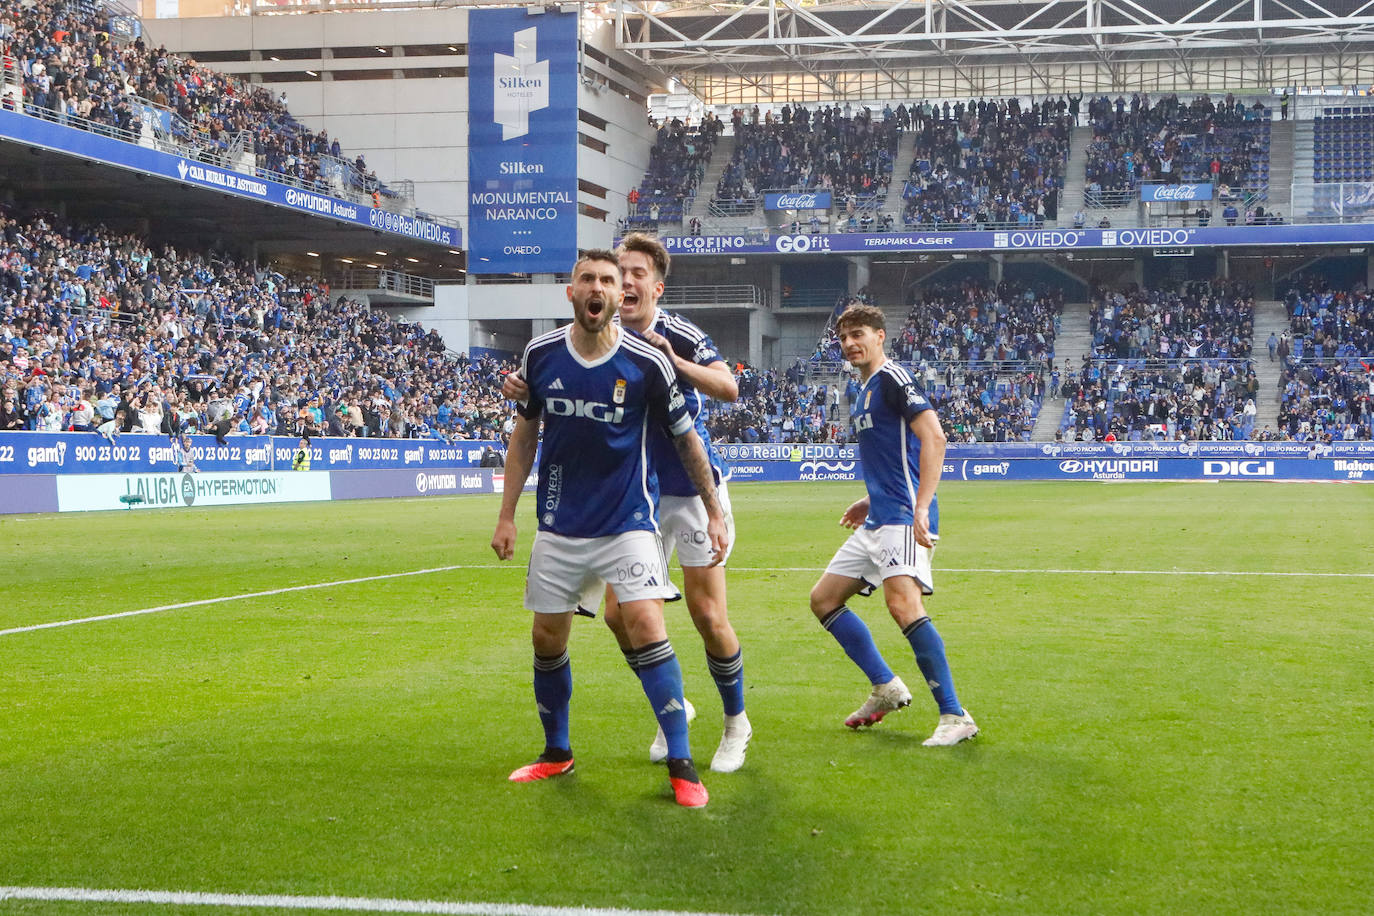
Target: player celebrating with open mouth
x=702 y=372
x=599 y=390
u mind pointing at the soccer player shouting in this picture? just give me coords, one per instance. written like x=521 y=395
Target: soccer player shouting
x=702 y=372
x=598 y=390
x=902 y=448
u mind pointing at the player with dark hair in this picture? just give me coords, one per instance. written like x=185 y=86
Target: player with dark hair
x=599 y=389
x=702 y=372
x=896 y=527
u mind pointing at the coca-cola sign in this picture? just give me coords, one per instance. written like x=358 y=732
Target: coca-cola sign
x=797 y=200
x=1166 y=192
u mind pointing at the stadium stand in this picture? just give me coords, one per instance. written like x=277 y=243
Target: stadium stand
x=677 y=163
x=1212 y=319
x=1205 y=140
x=1343 y=144
x=75 y=73
x=775 y=406
x=971 y=321
x=987 y=406
x=1134 y=400
x=991 y=164
x=1326 y=401
x=96 y=326
x=985 y=393
x=1330 y=323
x=851 y=153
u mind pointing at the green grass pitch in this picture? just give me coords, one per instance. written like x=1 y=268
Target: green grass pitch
x=1151 y=743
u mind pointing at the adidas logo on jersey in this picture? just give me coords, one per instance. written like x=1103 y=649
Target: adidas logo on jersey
x=557 y=385
x=672 y=706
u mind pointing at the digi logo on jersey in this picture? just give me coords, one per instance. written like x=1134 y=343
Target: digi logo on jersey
x=1238 y=469
x=800 y=243
x=826 y=470
x=590 y=410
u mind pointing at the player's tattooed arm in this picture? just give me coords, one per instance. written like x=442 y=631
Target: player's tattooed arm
x=698 y=468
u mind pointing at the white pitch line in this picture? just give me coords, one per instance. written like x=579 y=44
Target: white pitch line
x=287 y=902
x=224 y=598
x=808 y=569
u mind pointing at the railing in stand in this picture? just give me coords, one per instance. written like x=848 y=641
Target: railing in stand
x=677 y=296
x=742 y=206
x=393 y=281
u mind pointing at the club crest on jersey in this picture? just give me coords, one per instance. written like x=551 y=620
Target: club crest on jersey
x=868 y=396
x=619 y=396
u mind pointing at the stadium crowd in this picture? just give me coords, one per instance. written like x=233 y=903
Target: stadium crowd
x=983 y=406
x=677 y=162
x=776 y=406
x=99 y=331
x=974 y=321
x=1329 y=322
x=1114 y=400
x=1327 y=401
x=1223 y=142
x=71 y=67
x=992 y=162
x=833 y=147
x=1207 y=319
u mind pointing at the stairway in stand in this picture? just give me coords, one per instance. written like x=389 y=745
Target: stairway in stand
x=1073 y=342
x=1270 y=317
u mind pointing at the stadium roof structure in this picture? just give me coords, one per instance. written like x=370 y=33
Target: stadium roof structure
x=802 y=49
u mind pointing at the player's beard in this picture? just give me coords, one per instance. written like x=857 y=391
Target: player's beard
x=594 y=314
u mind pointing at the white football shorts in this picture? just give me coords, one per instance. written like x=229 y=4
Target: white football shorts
x=875 y=554
x=567 y=572
x=683 y=522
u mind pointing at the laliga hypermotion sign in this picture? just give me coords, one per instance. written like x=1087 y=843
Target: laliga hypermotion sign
x=522 y=150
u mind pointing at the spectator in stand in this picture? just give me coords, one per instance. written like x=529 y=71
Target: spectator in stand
x=1201 y=320
x=677 y=162
x=990 y=163
x=74 y=73
x=851 y=154
x=166 y=336
x=1204 y=140
x=971 y=321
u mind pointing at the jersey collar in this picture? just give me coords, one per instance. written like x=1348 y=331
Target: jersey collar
x=567 y=342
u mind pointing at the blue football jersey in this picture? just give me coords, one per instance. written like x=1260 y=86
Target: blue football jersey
x=594 y=476
x=891 y=453
x=691 y=343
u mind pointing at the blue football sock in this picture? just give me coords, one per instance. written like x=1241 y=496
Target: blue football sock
x=930 y=657
x=661 y=676
x=552 y=691
x=728 y=674
x=853 y=636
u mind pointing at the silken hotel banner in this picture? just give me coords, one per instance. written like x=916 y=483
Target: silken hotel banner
x=522 y=141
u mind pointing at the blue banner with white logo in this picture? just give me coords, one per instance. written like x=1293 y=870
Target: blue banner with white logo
x=927 y=240
x=797 y=200
x=522 y=141
x=22 y=128
x=1151 y=193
